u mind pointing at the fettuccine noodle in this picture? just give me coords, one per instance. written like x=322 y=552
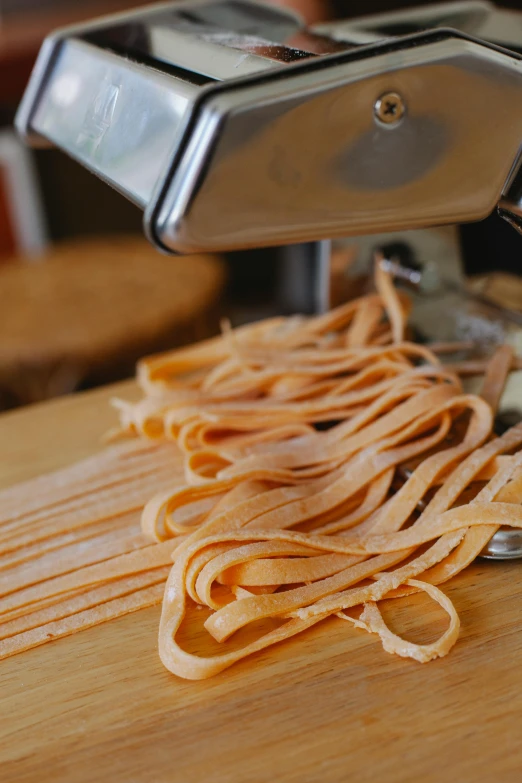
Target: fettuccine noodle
x=297 y=428
x=296 y=435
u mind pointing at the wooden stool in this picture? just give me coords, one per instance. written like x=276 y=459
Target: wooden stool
x=92 y=307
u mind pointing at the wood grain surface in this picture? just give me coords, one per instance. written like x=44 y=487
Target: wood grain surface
x=327 y=706
x=93 y=307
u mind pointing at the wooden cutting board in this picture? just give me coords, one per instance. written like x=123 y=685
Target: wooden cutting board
x=327 y=706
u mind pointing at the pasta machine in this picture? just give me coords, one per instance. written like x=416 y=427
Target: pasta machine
x=234 y=124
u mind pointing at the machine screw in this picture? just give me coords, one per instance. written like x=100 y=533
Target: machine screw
x=389 y=108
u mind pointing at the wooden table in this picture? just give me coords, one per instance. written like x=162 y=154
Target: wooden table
x=327 y=706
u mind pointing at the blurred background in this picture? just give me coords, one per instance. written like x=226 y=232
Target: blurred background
x=74 y=325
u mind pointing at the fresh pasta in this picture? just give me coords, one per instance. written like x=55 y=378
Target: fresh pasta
x=329 y=464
